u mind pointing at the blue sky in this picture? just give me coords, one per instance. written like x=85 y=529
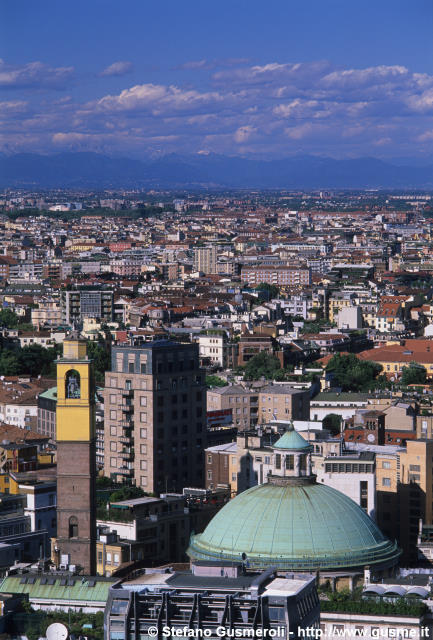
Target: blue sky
x=239 y=77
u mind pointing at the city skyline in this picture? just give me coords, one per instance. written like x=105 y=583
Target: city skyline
x=249 y=80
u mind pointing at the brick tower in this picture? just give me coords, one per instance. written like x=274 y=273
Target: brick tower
x=76 y=459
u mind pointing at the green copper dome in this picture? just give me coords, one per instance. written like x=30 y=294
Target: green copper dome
x=292 y=441
x=294 y=527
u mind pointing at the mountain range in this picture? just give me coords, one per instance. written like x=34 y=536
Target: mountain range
x=97 y=171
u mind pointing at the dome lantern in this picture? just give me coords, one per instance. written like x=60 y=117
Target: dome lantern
x=291 y=456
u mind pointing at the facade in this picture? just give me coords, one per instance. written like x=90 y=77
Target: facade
x=243 y=404
x=214 y=347
x=155 y=416
x=93 y=303
x=76 y=459
x=212 y=600
x=47 y=402
x=205 y=259
x=280 y=276
x=352 y=474
x=150 y=531
x=283 y=402
x=404 y=492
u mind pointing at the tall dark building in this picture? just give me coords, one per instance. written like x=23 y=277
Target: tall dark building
x=76 y=459
x=155 y=416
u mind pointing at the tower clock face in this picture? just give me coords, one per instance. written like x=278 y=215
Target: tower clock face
x=371 y=437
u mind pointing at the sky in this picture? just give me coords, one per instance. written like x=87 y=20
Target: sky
x=253 y=78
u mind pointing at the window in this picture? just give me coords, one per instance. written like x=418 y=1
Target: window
x=386 y=482
x=143 y=433
x=113 y=462
x=278 y=461
x=386 y=465
x=73 y=527
x=113 y=414
x=414 y=467
x=113 y=446
x=143 y=448
x=143 y=481
x=113 y=430
x=113 y=398
x=209 y=475
x=143 y=417
x=143 y=465
x=143 y=401
x=290 y=462
x=109 y=556
x=209 y=459
x=131 y=367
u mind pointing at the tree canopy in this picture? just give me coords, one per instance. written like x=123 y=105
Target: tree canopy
x=271 y=289
x=32 y=359
x=414 y=374
x=99 y=352
x=332 y=422
x=262 y=365
x=8 y=319
x=352 y=374
x=215 y=381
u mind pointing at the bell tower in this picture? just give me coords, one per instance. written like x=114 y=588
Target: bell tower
x=76 y=458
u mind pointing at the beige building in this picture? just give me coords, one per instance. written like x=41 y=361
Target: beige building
x=242 y=402
x=155 y=416
x=283 y=402
x=205 y=259
x=404 y=492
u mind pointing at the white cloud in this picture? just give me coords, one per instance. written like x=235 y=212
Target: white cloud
x=254 y=108
x=33 y=74
x=120 y=68
x=156 y=98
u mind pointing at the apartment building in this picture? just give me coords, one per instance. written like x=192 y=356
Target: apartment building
x=404 y=492
x=283 y=402
x=155 y=416
x=205 y=259
x=280 y=276
x=90 y=303
x=243 y=404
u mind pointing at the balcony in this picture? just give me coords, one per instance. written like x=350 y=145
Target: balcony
x=125 y=471
x=127 y=455
x=126 y=439
x=127 y=408
x=127 y=393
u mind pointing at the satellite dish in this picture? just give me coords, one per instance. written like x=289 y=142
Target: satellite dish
x=57 y=631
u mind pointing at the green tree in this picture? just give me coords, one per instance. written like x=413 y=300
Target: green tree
x=36 y=360
x=215 y=381
x=126 y=493
x=414 y=374
x=262 y=365
x=352 y=374
x=332 y=422
x=271 y=289
x=9 y=364
x=8 y=319
x=99 y=352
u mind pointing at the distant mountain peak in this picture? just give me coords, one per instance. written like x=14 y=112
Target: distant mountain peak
x=94 y=170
